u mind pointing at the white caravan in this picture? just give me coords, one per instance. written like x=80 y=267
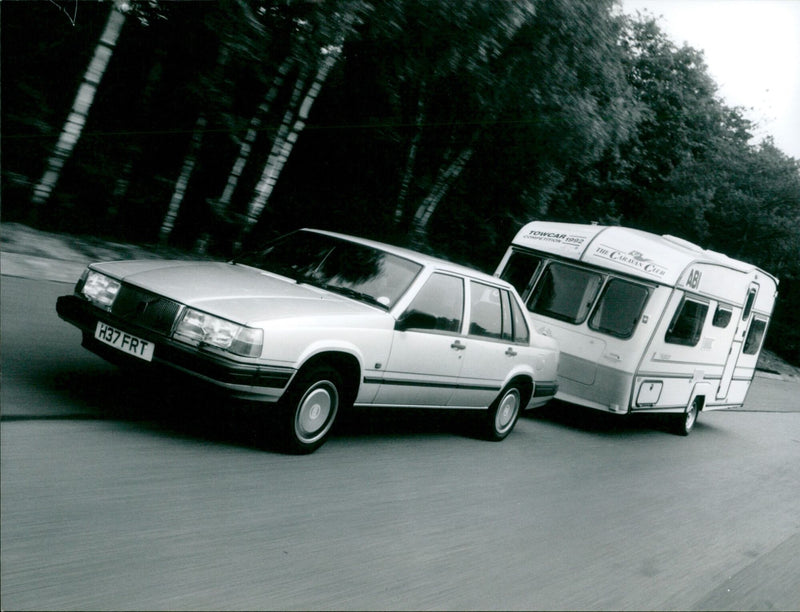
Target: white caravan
x=645 y=323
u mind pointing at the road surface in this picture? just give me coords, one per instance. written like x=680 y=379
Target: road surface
x=130 y=493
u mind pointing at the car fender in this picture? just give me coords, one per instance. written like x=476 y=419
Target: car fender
x=520 y=370
x=331 y=346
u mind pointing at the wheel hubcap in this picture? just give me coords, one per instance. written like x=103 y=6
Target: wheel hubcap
x=507 y=411
x=315 y=412
x=691 y=415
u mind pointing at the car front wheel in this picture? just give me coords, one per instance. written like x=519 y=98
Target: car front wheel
x=503 y=414
x=309 y=409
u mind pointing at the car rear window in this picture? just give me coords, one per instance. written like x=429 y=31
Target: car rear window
x=486 y=317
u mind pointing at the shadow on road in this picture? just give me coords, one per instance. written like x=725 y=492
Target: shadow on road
x=601 y=423
x=172 y=404
x=168 y=402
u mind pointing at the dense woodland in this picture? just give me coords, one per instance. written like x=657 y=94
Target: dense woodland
x=440 y=125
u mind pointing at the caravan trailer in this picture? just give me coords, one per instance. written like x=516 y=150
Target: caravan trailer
x=645 y=323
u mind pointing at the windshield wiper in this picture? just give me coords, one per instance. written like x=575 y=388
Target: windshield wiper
x=352 y=293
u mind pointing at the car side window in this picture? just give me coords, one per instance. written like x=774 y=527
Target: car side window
x=486 y=318
x=521 y=333
x=439 y=305
x=508 y=325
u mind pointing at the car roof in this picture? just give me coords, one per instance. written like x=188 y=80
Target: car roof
x=421 y=258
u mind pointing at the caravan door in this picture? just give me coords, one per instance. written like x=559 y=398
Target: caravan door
x=735 y=350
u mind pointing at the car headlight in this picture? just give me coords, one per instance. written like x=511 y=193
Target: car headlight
x=198 y=328
x=99 y=288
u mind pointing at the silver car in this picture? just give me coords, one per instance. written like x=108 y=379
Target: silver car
x=317 y=322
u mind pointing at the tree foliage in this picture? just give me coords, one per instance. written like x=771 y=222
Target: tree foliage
x=446 y=125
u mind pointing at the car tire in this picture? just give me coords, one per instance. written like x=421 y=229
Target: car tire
x=309 y=408
x=502 y=415
x=685 y=422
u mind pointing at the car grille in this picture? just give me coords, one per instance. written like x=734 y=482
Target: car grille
x=145 y=309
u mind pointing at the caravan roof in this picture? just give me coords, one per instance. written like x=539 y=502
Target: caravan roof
x=661 y=259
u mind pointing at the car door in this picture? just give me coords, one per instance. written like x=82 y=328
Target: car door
x=427 y=347
x=492 y=349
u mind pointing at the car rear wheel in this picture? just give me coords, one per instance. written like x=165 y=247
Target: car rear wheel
x=309 y=409
x=503 y=414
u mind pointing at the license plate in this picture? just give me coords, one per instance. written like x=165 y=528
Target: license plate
x=143 y=349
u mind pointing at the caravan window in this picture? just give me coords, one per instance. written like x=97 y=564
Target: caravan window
x=754 y=336
x=520 y=270
x=687 y=325
x=565 y=293
x=722 y=316
x=619 y=308
x=748 y=306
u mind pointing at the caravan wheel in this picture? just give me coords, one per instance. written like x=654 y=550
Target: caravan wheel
x=684 y=423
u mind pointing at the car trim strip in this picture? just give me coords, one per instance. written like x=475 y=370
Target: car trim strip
x=427 y=384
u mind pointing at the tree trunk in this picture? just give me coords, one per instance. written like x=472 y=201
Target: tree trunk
x=277 y=155
x=445 y=179
x=133 y=149
x=408 y=171
x=183 y=181
x=250 y=137
x=189 y=162
x=506 y=29
x=71 y=132
x=286 y=139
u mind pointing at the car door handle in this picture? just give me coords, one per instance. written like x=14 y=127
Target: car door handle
x=511 y=352
x=458 y=346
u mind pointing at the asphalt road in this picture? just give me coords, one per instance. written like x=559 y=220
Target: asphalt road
x=134 y=493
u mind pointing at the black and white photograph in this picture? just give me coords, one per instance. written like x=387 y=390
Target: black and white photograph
x=400 y=305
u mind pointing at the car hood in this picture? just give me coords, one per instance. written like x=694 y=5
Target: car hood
x=235 y=292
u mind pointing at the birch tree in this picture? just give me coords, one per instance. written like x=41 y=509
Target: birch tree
x=239 y=33
x=182 y=183
x=135 y=148
x=76 y=120
x=297 y=113
x=448 y=173
x=294 y=120
x=249 y=139
x=487 y=34
x=411 y=157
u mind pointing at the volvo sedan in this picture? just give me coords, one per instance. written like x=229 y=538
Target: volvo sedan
x=317 y=322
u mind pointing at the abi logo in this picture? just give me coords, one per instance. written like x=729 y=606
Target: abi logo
x=693 y=280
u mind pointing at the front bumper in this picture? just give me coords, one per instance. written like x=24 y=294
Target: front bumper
x=241 y=379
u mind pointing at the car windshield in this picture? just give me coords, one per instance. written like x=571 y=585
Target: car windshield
x=362 y=272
